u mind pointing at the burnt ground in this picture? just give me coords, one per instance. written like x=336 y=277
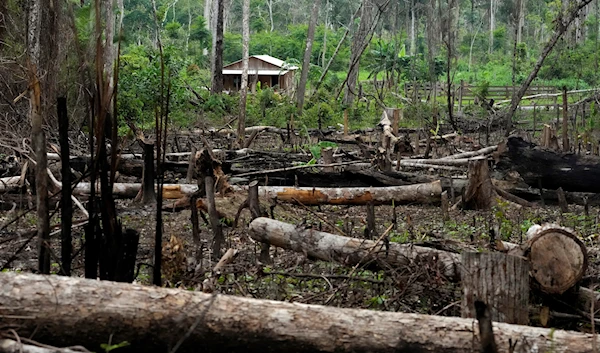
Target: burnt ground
x=294 y=277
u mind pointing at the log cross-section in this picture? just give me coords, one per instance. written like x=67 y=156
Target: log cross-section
x=558 y=258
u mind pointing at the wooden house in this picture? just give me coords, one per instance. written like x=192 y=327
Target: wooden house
x=269 y=71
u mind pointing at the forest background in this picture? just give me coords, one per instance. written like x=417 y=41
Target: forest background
x=480 y=43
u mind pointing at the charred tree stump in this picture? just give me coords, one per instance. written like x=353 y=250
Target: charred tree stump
x=558 y=259
x=479 y=194
x=486 y=332
x=370 y=231
x=125 y=268
x=501 y=281
x=148 y=194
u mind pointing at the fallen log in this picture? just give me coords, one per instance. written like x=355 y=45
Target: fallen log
x=417 y=193
x=441 y=161
x=557 y=258
x=156 y=319
x=470 y=154
x=551 y=170
x=350 y=251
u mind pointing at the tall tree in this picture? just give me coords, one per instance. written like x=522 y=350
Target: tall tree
x=217 y=75
x=307 y=53
x=245 y=58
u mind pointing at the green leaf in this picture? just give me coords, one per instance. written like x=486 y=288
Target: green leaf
x=316 y=151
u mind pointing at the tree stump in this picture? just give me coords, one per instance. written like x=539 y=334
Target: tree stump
x=558 y=259
x=501 y=281
x=479 y=194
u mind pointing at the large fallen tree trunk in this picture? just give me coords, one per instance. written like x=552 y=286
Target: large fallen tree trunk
x=550 y=170
x=66 y=311
x=350 y=251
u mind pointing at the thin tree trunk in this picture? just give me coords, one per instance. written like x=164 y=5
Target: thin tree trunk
x=307 y=53
x=208 y=23
x=244 y=85
x=356 y=50
x=492 y=25
x=215 y=223
x=337 y=49
x=36 y=27
x=66 y=202
x=217 y=76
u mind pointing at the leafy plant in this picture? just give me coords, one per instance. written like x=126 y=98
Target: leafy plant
x=107 y=347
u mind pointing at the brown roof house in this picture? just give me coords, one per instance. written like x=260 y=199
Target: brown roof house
x=269 y=71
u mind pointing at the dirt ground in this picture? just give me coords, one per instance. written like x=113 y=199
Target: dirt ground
x=294 y=277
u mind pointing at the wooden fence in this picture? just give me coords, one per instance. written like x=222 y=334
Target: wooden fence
x=465 y=94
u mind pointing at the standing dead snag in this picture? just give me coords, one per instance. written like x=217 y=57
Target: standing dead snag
x=66 y=202
x=253 y=204
x=210 y=174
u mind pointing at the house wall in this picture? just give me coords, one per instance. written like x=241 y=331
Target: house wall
x=286 y=82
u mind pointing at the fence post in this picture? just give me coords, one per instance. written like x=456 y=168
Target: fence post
x=460 y=95
x=534 y=119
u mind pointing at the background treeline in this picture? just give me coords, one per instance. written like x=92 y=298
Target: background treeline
x=492 y=42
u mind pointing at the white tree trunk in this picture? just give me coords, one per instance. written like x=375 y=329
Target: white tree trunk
x=244 y=84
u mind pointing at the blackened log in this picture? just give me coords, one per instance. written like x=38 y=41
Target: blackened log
x=553 y=170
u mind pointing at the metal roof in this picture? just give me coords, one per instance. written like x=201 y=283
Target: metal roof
x=271 y=60
x=254 y=72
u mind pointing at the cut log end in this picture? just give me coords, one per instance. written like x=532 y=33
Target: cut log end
x=558 y=258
